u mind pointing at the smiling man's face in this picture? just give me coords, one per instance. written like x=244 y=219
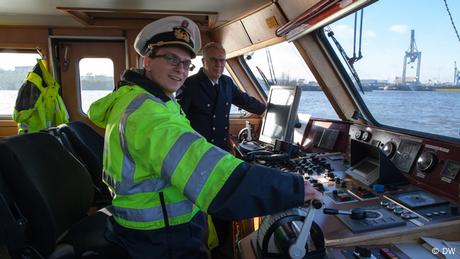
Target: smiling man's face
x=162 y=71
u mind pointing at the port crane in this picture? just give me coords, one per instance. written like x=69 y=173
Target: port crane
x=412 y=55
x=456 y=75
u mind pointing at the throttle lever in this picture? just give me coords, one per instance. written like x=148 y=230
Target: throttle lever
x=356 y=213
x=297 y=250
x=317 y=204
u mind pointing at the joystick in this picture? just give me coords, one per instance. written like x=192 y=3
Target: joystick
x=356 y=213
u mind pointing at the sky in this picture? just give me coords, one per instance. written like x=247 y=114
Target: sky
x=285 y=58
x=8 y=61
x=386 y=37
x=94 y=66
x=387 y=26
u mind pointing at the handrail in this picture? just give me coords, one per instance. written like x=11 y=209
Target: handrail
x=315 y=10
x=320 y=14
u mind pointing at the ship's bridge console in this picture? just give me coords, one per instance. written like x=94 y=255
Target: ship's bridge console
x=385 y=193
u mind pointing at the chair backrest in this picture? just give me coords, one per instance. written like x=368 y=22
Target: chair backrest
x=12 y=223
x=52 y=189
x=87 y=145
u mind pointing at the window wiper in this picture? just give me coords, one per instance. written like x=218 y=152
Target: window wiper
x=348 y=60
x=356 y=58
x=264 y=77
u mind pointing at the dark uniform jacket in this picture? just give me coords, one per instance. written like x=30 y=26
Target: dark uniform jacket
x=208 y=106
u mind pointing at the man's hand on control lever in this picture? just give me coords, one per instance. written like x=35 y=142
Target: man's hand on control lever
x=311 y=193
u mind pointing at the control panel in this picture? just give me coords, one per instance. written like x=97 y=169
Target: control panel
x=358 y=209
x=419 y=204
x=430 y=164
x=382 y=183
x=374 y=218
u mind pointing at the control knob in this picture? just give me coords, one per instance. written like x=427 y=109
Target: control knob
x=359 y=134
x=366 y=136
x=389 y=148
x=426 y=161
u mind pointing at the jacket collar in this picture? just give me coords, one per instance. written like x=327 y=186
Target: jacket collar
x=137 y=77
x=204 y=77
x=205 y=84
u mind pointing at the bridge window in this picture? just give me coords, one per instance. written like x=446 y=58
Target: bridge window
x=14 y=67
x=409 y=69
x=282 y=64
x=96 y=80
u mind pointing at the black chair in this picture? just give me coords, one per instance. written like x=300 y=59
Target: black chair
x=88 y=146
x=52 y=192
x=12 y=223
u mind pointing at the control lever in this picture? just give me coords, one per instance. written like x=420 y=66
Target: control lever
x=270 y=157
x=238 y=150
x=356 y=213
x=248 y=127
x=297 y=250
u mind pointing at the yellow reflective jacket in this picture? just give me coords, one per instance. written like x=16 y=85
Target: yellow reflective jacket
x=38 y=105
x=161 y=171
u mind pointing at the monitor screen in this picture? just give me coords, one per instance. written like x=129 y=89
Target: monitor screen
x=281 y=114
x=365 y=167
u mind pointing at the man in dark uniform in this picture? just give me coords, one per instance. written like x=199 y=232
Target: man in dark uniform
x=207 y=96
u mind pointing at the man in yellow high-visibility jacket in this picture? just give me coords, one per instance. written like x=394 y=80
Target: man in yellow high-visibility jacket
x=165 y=175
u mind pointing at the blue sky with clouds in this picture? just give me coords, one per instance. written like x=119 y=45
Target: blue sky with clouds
x=386 y=37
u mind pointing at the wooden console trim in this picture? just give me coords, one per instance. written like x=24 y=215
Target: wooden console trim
x=449 y=230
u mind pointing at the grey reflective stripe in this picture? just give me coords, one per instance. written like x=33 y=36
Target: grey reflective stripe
x=108 y=179
x=152 y=214
x=127 y=185
x=202 y=171
x=176 y=153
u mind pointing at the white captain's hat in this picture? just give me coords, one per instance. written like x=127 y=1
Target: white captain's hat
x=176 y=31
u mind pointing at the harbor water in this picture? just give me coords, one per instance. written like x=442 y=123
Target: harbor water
x=425 y=111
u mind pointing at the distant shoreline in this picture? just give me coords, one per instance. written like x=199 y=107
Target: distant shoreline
x=380 y=87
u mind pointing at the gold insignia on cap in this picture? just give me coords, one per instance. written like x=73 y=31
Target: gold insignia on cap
x=181 y=34
x=184 y=24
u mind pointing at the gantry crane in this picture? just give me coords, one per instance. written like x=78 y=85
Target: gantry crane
x=412 y=54
x=456 y=75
